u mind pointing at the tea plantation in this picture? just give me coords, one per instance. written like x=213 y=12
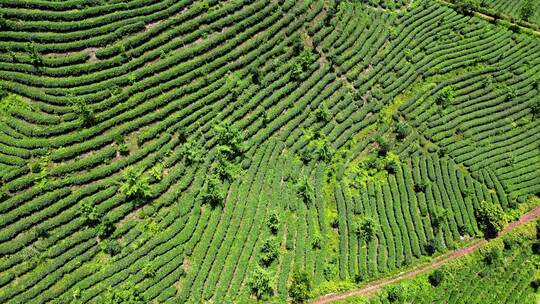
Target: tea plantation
x=205 y=151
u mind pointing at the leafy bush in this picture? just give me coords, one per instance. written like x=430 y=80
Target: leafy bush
x=90 y=214
x=110 y=247
x=261 y=283
x=491 y=218
x=466 y=6
x=273 y=220
x=135 y=184
x=366 y=228
x=300 y=288
x=230 y=137
x=122 y=295
x=305 y=190
x=212 y=192
x=527 y=10
x=269 y=252
x=192 y=151
x=436 y=277
x=105 y=228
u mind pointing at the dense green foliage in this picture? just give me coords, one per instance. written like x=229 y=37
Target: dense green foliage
x=477 y=278
x=201 y=151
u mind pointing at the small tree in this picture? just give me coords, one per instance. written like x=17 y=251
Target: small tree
x=157 y=171
x=105 y=228
x=255 y=75
x=535 y=108
x=396 y=293
x=224 y=166
x=436 y=277
x=431 y=246
x=494 y=257
x=322 y=113
x=465 y=6
x=191 y=151
x=316 y=242
x=446 y=97
x=269 y=252
x=110 y=247
x=273 y=221
x=124 y=295
x=527 y=10
x=83 y=110
x=322 y=148
x=261 y=284
x=402 y=130
x=385 y=145
x=305 y=190
x=135 y=184
x=439 y=216
x=35 y=56
x=366 y=228
x=90 y=214
x=300 y=288
x=491 y=218
x=213 y=191
x=229 y=136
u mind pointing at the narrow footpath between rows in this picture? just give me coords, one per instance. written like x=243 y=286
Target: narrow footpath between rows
x=435 y=263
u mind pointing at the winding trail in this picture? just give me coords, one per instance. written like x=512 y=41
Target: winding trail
x=435 y=263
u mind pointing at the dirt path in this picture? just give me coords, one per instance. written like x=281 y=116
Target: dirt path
x=435 y=263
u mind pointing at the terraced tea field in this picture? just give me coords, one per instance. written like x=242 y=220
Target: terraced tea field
x=501 y=271
x=241 y=151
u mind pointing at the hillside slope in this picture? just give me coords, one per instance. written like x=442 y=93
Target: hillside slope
x=170 y=149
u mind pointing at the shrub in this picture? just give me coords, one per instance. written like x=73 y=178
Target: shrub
x=231 y=137
x=466 y=6
x=212 y=192
x=110 y=247
x=527 y=10
x=273 y=220
x=135 y=184
x=261 y=284
x=269 y=252
x=436 y=277
x=105 y=228
x=366 y=228
x=90 y=214
x=122 y=295
x=305 y=190
x=300 y=288
x=191 y=151
x=491 y=218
